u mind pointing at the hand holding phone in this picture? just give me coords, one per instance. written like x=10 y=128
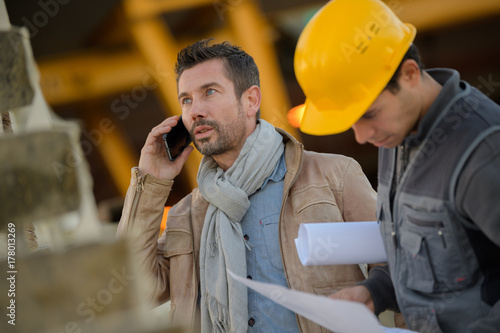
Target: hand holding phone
x=153 y=160
x=176 y=140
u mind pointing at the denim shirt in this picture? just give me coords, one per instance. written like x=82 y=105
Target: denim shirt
x=260 y=229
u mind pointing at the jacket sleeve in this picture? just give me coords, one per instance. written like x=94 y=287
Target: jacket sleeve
x=478 y=190
x=491 y=323
x=359 y=199
x=380 y=285
x=140 y=222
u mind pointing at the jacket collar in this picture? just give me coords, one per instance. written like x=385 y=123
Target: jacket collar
x=450 y=80
x=294 y=151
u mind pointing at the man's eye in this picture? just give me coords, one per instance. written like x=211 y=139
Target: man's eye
x=186 y=101
x=210 y=91
x=369 y=115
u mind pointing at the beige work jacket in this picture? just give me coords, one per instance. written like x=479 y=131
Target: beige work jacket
x=317 y=188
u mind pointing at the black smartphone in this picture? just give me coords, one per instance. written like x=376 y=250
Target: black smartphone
x=176 y=140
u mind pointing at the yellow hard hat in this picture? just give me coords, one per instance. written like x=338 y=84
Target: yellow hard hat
x=345 y=56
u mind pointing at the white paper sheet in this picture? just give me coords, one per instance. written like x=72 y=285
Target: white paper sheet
x=340 y=243
x=336 y=315
x=396 y=330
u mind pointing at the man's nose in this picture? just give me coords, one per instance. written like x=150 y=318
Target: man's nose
x=197 y=110
x=363 y=132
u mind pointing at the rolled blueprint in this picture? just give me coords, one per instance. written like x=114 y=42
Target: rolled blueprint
x=340 y=243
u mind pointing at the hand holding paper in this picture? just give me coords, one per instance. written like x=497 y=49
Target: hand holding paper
x=336 y=315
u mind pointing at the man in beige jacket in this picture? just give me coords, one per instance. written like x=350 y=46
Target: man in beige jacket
x=256 y=186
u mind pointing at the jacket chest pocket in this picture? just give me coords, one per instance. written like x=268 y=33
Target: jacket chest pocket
x=432 y=253
x=316 y=205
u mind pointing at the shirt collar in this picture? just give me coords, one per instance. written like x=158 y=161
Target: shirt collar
x=278 y=173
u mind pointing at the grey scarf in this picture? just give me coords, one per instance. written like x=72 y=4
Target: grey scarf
x=224 y=306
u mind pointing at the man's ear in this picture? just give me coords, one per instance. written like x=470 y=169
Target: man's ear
x=251 y=100
x=410 y=73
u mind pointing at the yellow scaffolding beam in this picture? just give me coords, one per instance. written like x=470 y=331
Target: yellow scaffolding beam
x=245 y=27
x=90 y=75
x=432 y=14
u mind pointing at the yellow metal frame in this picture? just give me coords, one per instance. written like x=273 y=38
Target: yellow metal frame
x=88 y=76
x=245 y=26
x=91 y=75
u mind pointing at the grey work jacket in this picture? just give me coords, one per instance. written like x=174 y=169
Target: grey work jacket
x=432 y=247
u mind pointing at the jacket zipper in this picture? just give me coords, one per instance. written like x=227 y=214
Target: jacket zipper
x=405 y=158
x=138 y=190
x=393 y=200
x=426 y=224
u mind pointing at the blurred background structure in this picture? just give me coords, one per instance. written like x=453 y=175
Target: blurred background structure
x=109 y=64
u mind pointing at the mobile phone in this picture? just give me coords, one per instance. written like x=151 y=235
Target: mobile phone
x=176 y=140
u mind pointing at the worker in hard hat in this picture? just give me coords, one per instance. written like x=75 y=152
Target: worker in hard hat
x=439 y=164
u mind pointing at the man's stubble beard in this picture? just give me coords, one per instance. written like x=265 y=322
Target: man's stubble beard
x=228 y=135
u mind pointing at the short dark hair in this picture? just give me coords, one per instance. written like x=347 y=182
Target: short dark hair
x=239 y=65
x=412 y=53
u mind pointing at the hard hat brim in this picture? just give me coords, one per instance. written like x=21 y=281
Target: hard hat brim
x=324 y=122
